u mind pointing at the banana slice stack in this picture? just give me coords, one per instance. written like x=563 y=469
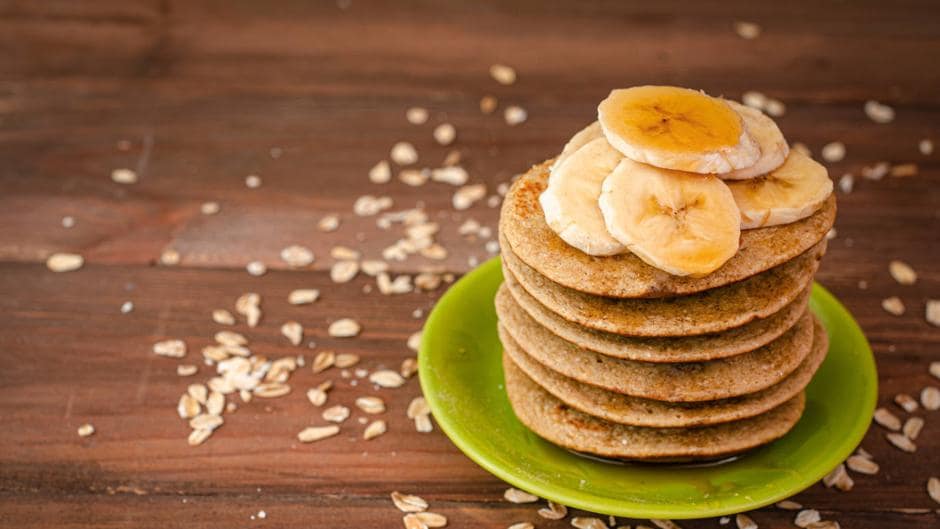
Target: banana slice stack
x=657 y=277
x=673 y=176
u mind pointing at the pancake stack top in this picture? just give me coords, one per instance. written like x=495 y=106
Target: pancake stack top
x=657 y=279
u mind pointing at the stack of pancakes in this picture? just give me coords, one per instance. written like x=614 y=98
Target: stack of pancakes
x=613 y=357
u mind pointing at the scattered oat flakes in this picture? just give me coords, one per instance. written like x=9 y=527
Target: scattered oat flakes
x=502 y=74
x=904 y=170
x=554 y=511
x=932 y=313
x=588 y=523
x=423 y=424
x=775 y=108
x=445 y=134
x=197 y=437
x=912 y=428
x=847 y=183
x=789 y=505
x=206 y=422
x=933 y=488
x=925 y=146
x=256 y=268
x=387 y=378
x=414 y=177
x=930 y=398
x=328 y=223
x=747 y=30
x=303 y=296
x=901 y=442
x=293 y=331
x=323 y=361
x=488 y=104
x=316 y=433
x=170 y=348
x=317 y=396
x=409 y=367
x=839 y=479
x=417 y=407
x=124 y=176
x=806 y=517
x=665 y=524
x=515 y=115
x=368 y=205
x=371 y=405
x=297 y=256
x=86 y=430
x=452 y=174
x=223 y=317
x=404 y=153
x=188 y=407
x=400 y=285
x=271 y=390
x=513 y=495
x=64 y=262
x=427 y=281
x=435 y=251
x=521 y=525
x=127 y=307
x=210 y=208
x=754 y=99
x=893 y=306
x=833 y=152
x=416 y=115
x=879 y=113
x=414 y=341
x=466 y=196
x=744 y=521
x=186 y=370
x=344 y=271
x=862 y=465
x=906 y=402
x=68 y=221
x=373 y=267
x=887 y=419
x=215 y=403
x=338 y=413
x=381 y=173
x=902 y=272
x=375 y=429
x=344 y=328
x=253 y=181
x=409 y=502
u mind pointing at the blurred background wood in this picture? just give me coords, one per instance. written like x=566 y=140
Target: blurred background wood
x=310 y=95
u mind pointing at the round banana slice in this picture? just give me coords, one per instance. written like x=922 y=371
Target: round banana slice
x=773 y=146
x=677 y=128
x=682 y=223
x=591 y=132
x=794 y=191
x=570 y=200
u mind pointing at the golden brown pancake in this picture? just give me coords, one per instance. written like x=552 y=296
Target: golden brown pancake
x=712 y=311
x=668 y=349
x=560 y=424
x=522 y=224
x=680 y=382
x=635 y=411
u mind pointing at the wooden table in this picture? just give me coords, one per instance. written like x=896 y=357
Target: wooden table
x=309 y=96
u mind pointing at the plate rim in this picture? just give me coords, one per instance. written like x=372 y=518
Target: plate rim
x=627 y=508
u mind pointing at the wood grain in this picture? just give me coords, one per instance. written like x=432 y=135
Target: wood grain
x=204 y=91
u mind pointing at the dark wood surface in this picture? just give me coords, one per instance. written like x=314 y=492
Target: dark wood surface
x=204 y=91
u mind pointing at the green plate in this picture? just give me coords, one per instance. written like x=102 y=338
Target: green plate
x=462 y=379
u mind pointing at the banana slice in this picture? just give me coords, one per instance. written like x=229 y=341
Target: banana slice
x=570 y=200
x=685 y=224
x=677 y=128
x=773 y=146
x=591 y=132
x=794 y=191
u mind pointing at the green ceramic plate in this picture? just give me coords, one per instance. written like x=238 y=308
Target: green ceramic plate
x=462 y=379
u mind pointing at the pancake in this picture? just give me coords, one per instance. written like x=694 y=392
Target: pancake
x=707 y=312
x=522 y=222
x=558 y=423
x=669 y=349
x=680 y=382
x=635 y=411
